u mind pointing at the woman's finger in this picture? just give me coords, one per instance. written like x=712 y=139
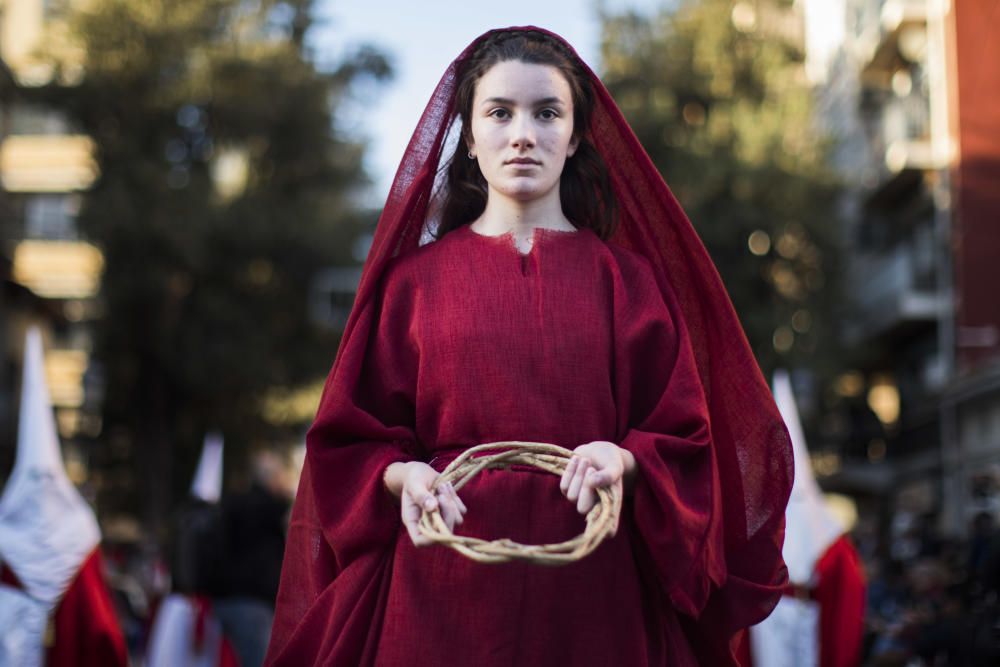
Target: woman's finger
x=618 y=514
x=415 y=536
x=577 y=482
x=568 y=473
x=458 y=501
x=411 y=517
x=447 y=508
x=606 y=476
x=417 y=498
x=425 y=499
x=586 y=500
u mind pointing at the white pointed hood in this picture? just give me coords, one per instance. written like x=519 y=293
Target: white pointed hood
x=810 y=525
x=207 y=484
x=47 y=529
x=172 y=640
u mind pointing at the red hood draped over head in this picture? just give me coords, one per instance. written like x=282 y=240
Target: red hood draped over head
x=751 y=446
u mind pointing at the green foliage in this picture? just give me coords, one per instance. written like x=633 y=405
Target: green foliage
x=205 y=294
x=726 y=116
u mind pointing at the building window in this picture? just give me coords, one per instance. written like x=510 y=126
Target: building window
x=27 y=119
x=51 y=216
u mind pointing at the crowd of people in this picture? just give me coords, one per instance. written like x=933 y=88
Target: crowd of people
x=934 y=600
x=223 y=560
x=931 y=600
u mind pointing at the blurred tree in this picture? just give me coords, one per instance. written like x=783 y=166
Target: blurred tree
x=224 y=188
x=715 y=90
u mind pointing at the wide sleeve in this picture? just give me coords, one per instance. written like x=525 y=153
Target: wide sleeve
x=344 y=521
x=697 y=494
x=366 y=421
x=675 y=500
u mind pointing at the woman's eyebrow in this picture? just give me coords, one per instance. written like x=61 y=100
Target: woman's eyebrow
x=508 y=101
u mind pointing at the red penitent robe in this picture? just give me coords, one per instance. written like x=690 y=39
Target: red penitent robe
x=839 y=596
x=840 y=592
x=86 y=628
x=475 y=342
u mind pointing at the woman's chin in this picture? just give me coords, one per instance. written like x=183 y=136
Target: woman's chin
x=525 y=191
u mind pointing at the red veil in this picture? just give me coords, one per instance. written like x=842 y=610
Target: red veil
x=342 y=532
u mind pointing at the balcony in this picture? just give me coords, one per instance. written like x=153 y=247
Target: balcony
x=891 y=291
x=897 y=92
x=37 y=41
x=902 y=37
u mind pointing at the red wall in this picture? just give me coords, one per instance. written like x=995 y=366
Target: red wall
x=976 y=224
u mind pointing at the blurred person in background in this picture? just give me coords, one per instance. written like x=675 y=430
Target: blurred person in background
x=936 y=610
x=254 y=523
x=982 y=534
x=122 y=547
x=819 y=622
x=186 y=630
x=55 y=605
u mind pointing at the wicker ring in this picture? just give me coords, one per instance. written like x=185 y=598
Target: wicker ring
x=601 y=520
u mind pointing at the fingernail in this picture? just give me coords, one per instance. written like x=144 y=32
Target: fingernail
x=429 y=504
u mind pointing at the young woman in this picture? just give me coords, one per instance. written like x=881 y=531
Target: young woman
x=545 y=286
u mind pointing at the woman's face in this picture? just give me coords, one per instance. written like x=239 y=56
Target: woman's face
x=522 y=128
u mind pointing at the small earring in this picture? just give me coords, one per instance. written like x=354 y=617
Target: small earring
x=471 y=156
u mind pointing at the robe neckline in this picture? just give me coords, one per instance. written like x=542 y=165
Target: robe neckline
x=538 y=234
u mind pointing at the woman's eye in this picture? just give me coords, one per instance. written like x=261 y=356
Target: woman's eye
x=499 y=113
x=548 y=114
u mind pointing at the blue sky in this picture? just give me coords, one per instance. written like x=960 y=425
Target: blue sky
x=422 y=37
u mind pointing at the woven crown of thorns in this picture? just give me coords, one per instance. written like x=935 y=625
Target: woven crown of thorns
x=601 y=519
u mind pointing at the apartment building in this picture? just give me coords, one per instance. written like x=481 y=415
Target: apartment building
x=909 y=89
x=51 y=275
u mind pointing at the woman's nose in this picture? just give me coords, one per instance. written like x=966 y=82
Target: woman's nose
x=522 y=132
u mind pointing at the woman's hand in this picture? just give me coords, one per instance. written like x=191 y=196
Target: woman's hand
x=593 y=465
x=413 y=481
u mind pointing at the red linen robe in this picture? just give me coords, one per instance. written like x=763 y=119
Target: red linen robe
x=473 y=343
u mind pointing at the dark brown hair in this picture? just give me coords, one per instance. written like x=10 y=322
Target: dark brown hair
x=584 y=186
